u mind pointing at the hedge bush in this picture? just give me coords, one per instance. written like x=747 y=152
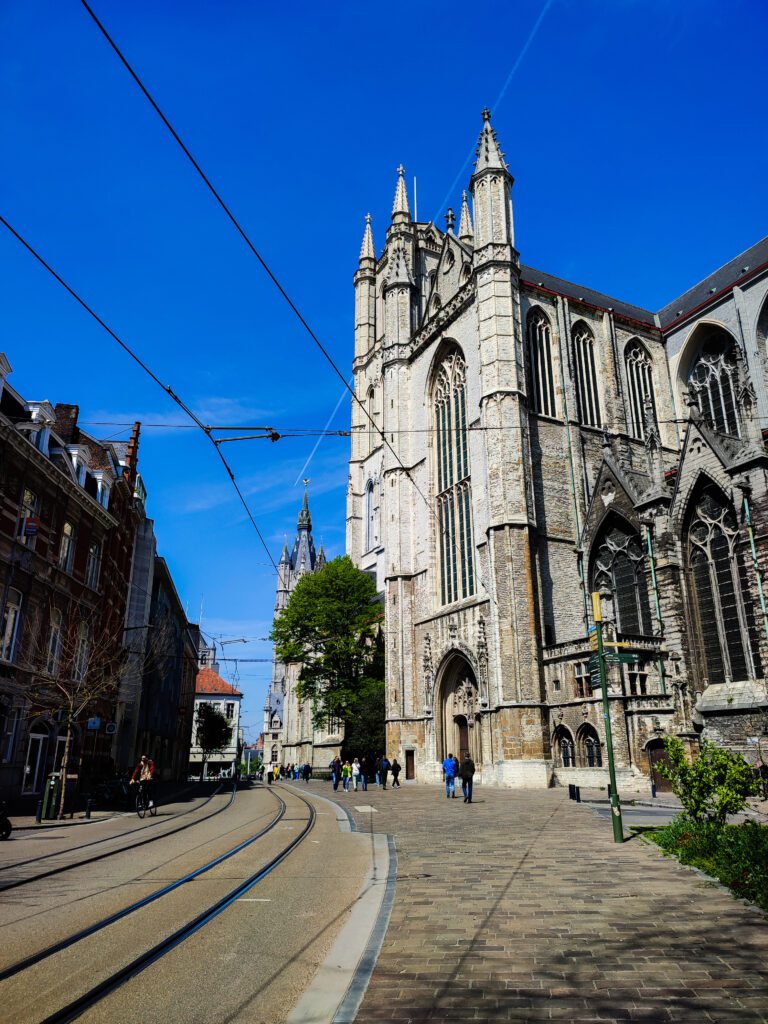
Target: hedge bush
x=736 y=855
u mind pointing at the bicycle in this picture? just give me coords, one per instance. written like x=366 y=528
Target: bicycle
x=145 y=802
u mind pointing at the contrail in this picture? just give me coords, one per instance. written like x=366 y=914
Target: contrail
x=303 y=469
x=499 y=98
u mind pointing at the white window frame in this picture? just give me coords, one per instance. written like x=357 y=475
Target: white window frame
x=67 y=547
x=54 y=643
x=10 y=624
x=93 y=565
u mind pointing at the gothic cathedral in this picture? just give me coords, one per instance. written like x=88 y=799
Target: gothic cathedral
x=520 y=442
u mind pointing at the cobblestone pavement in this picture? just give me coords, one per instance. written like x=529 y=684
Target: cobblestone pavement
x=520 y=907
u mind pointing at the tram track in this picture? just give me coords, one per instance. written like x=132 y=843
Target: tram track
x=117 y=978
x=29 y=879
x=108 y=839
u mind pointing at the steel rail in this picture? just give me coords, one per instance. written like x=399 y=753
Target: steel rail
x=112 y=853
x=84 y=933
x=109 y=839
x=73 y=1010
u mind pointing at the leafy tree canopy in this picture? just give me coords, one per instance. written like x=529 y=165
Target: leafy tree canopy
x=331 y=625
x=717 y=783
x=213 y=730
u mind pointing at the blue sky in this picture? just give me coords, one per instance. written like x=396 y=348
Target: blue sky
x=635 y=130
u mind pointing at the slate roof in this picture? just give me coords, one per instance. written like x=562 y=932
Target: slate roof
x=741 y=266
x=209 y=682
x=588 y=295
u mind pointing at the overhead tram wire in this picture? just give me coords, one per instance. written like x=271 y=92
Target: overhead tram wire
x=137 y=359
x=243 y=234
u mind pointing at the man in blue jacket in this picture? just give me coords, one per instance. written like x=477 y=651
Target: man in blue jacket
x=449 y=771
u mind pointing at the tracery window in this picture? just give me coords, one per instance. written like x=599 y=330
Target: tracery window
x=723 y=620
x=714 y=382
x=454 y=490
x=619 y=568
x=564 y=748
x=590 y=752
x=639 y=366
x=586 y=377
x=540 y=355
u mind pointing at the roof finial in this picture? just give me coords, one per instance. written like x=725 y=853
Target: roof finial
x=450 y=219
x=400 y=205
x=367 y=251
x=486 y=114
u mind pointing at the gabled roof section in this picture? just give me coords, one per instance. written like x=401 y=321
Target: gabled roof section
x=210 y=683
x=742 y=266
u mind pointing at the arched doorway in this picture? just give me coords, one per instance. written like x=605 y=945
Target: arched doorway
x=658 y=755
x=459 y=712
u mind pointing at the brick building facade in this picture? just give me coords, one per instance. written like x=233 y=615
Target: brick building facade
x=528 y=441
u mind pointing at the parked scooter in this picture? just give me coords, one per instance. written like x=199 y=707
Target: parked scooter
x=5 y=822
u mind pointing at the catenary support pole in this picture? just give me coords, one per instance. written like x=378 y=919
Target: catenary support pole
x=618 y=827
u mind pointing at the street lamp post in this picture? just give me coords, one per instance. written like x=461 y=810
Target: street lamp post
x=618 y=828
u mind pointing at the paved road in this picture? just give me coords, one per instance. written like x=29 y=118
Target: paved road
x=521 y=908
x=250 y=964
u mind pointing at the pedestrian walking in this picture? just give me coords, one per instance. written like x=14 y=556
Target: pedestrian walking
x=449 y=773
x=346 y=775
x=384 y=767
x=276 y=772
x=396 y=769
x=355 y=774
x=467 y=772
x=336 y=772
x=364 y=774
x=306 y=772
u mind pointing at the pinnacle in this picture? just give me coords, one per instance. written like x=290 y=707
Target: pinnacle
x=367 y=250
x=400 y=204
x=489 y=156
x=466 y=232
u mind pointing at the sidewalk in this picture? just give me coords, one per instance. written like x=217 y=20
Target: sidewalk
x=520 y=907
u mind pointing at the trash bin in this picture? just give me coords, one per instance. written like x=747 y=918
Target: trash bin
x=52 y=795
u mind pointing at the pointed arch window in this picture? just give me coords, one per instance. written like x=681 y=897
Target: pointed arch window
x=619 y=569
x=639 y=368
x=723 y=619
x=586 y=377
x=714 y=382
x=369 y=518
x=565 y=754
x=590 y=752
x=454 y=490
x=540 y=356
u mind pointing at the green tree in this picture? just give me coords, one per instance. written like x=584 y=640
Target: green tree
x=331 y=625
x=213 y=733
x=717 y=783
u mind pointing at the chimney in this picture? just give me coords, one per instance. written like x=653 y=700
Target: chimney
x=132 y=458
x=66 y=422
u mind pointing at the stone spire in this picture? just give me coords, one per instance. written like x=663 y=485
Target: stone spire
x=401 y=212
x=321 y=559
x=285 y=557
x=466 y=234
x=367 y=250
x=305 y=519
x=489 y=156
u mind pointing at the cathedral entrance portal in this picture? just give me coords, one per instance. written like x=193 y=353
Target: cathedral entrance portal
x=458 y=712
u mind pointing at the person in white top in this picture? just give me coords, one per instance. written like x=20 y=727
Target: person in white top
x=355 y=774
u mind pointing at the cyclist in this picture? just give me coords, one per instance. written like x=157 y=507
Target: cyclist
x=144 y=774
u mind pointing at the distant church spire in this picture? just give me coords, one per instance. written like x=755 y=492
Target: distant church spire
x=367 y=250
x=466 y=234
x=305 y=519
x=400 y=207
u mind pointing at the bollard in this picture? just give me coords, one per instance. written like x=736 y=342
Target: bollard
x=609 y=791
x=571 y=791
x=39 y=812
x=578 y=794
x=653 y=790
x=88 y=808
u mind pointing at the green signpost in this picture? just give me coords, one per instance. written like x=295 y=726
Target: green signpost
x=618 y=827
